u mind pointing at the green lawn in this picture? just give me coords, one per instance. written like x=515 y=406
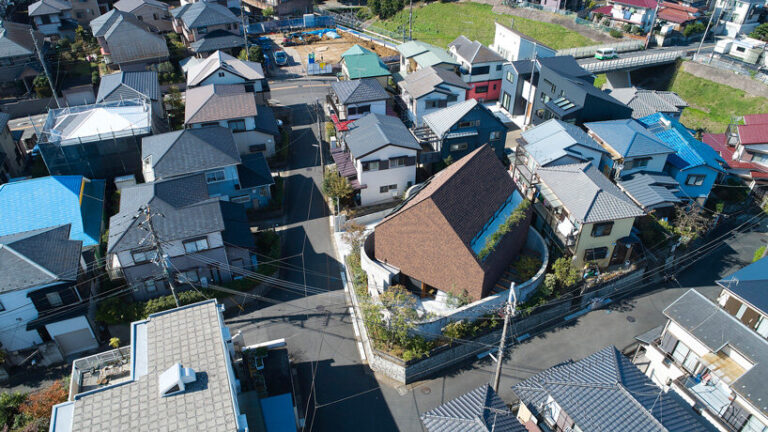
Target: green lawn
x=440 y=23
x=713 y=104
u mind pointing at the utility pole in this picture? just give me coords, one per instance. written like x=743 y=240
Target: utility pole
x=245 y=32
x=410 y=22
x=45 y=68
x=509 y=311
x=161 y=258
x=529 y=102
x=706 y=30
x=653 y=23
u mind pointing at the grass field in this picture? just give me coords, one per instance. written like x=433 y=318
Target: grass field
x=440 y=23
x=713 y=104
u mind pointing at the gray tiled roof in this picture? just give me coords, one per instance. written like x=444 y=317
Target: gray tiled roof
x=187 y=212
x=47 y=7
x=555 y=139
x=375 y=131
x=131 y=5
x=480 y=410
x=606 y=392
x=219 y=60
x=192 y=336
x=651 y=190
x=429 y=79
x=587 y=194
x=715 y=328
x=441 y=121
x=104 y=25
x=190 y=151
x=129 y=39
x=628 y=137
x=128 y=85
x=204 y=14
x=750 y=284
x=216 y=40
x=358 y=91
x=647 y=102
x=214 y=102
x=15 y=39
x=39 y=257
x=474 y=52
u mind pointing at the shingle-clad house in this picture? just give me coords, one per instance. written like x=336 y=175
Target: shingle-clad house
x=39 y=271
x=438 y=239
x=207 y=27
x=232 y=106
x=18 y=61
x=353 y=99
x=603 y=391
x=632 y=147
x=128 y=42
x=460 y=129
x=213 y=152
x=481 y=68
x=429 y=89
x=202 y=236
x=481 y=407
x=152 y=12
x=378 y=158
x=581 y=209
x=222 y=68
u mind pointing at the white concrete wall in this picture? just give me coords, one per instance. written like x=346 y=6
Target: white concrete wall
x=19 y=310
x=378 y=107
x=376 y=179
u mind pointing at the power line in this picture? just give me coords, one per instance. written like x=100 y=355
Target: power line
x=160 y=258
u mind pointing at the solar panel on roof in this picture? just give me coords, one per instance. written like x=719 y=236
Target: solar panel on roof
x=569 y=106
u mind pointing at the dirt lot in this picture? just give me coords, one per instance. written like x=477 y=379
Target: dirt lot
x=330 y=50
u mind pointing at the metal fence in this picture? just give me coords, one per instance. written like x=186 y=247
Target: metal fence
x=589 y=51
x=752 y=71
x=289 y=24
x=633 y=62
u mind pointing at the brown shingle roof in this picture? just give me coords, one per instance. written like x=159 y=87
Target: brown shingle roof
x=216 y=102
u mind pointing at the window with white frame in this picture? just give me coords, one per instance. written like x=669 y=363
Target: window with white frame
x=595 y=254
x=144 y=256
x=695 y=180
x=215 y=176
x=458 y=147
x=196 y=245
x=686 y=357
x=54 y=299
x=385 y=189
x=371 y=166
x=641 y=162
x=762 y=327
x=495 y=135
x=397 y=162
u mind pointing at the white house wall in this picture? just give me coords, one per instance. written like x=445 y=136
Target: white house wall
x=69 y=325
x=19 y=310
x=376 y=179
x=377 y=107
x=656 y=164
x=228 y=78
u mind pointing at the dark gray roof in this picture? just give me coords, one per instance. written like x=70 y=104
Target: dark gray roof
x=429 y=79
x=128 y=85
x=215 y=102
x=190 y=151
x=480 y=410
x=554 y=139
x=184 y=203
x=651 y=190
x=375 y=131
x=715 y=328
x=628 y=137
x=750 y=284
x=254 y=171
x=129 y=39
x=47 y=7
x=204 y=14
x=606 y=392
x=131 y=5
x=216 y=40
x=441 y=121
x=104 y=25
x=358 y=91
x=15 y=39
x=200 y=70
x=474 y=52
x=39 y=257
x=587 y=194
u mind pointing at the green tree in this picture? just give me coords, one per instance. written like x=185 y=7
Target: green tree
x=9 y=407
x=354 y=234
x=402 y=307
x=375 y=6
x=268 y=11
x=255 y=54
x=695 y=28
x=40 y=83
x=760 y=32
x=175 y=106
x=335 y=186
x=567 y=275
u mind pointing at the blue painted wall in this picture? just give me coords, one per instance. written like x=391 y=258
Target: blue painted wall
x=487 y=123
x=689 y=191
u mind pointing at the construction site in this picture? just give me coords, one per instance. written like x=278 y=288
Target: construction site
x=328 y=50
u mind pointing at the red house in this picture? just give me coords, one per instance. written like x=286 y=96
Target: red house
x=480 y=68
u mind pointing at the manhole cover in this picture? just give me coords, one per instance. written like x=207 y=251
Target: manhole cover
x=426 y=390
x=630 y=318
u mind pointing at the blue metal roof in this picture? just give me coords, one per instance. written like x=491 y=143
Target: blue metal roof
x=750 y=284
x=278 y=413
x=628 y=137
x=52 y=201
x=689 y=152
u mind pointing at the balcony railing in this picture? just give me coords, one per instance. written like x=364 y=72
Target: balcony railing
x=553 y=221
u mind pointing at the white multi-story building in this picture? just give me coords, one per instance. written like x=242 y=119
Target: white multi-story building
x=715 y=355
x=737 y=16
